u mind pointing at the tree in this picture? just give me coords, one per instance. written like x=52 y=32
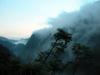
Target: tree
x=50 y=59
x=84 y=56
x=61 y=40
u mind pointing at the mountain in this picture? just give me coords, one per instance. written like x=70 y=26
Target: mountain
x=86 y=24
x=13 y=45
x=7 y=43
x=84 y=28
x=39 y=41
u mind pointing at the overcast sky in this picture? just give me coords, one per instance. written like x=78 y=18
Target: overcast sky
x=19 y=18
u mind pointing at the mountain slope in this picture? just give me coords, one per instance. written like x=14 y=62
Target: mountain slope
x=85 y=29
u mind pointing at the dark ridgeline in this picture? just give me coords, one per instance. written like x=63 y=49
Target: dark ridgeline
x=49 y=62
x=9 y=64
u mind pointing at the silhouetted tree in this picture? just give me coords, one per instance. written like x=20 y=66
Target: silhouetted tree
x=83 y=56
x=51 y=57
x=61 y=40
x=47 y=62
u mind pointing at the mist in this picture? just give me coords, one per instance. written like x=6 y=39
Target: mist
x=84 y=25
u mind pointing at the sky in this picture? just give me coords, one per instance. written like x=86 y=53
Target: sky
x=19 y=18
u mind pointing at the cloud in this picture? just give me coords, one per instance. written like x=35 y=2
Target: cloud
x=84 y=24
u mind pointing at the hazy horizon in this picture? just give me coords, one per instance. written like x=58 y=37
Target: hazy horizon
x=19 y=18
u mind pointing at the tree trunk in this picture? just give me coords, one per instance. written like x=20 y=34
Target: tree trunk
x=49 y=53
